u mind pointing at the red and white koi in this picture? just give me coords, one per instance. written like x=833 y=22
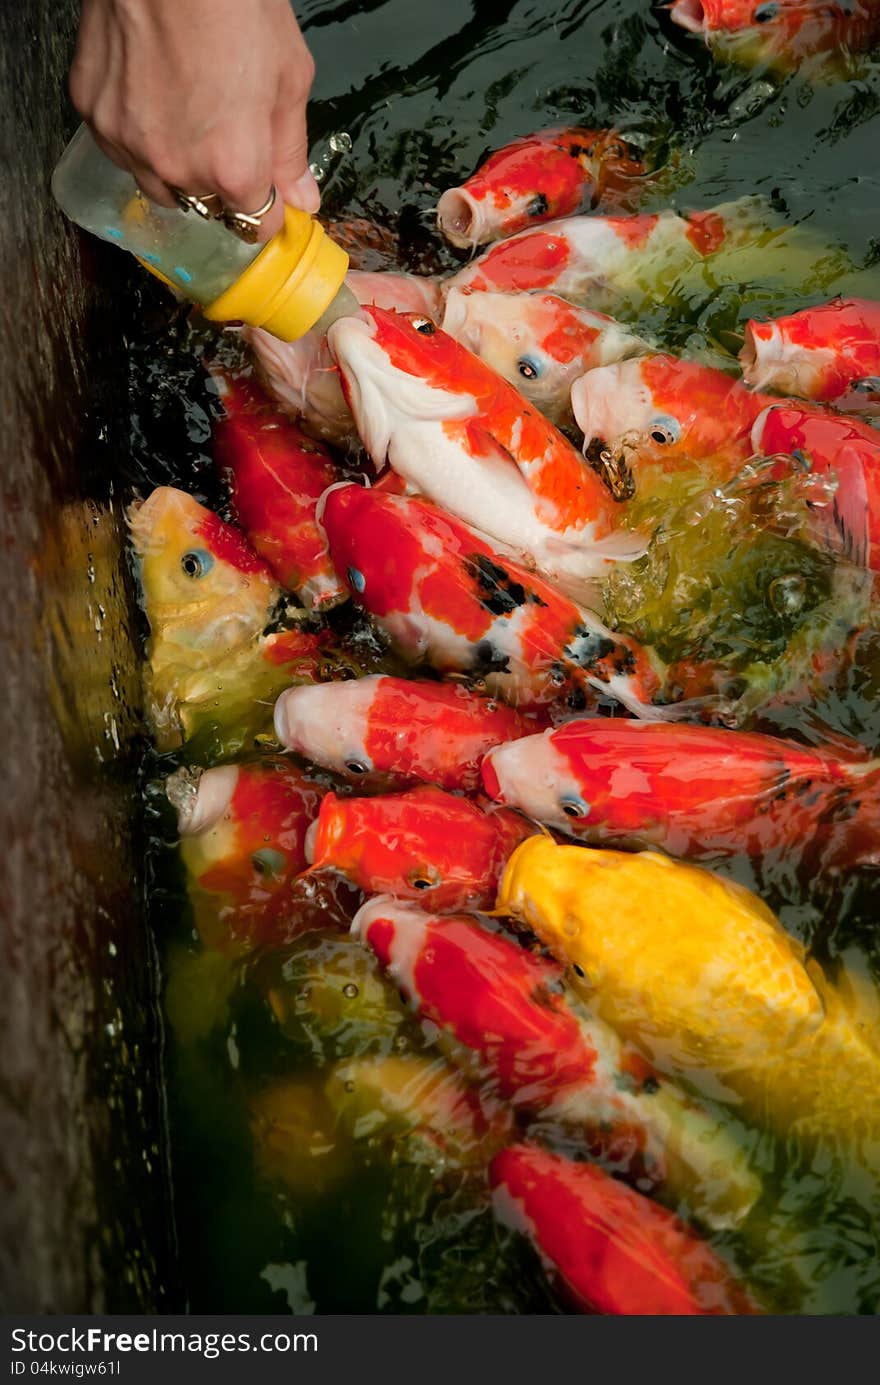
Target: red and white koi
x=242 y=841
x=834 y=446
x=302 y=375
x=538 y=342
x=695 y=791
x=610 y=1249
x=459 y=434
x=277 y=474
x=830 y=353
x=425 y=844
x=595 y=258
x=537 y=178
x=660 y=412
x=397 y=730
x=505 y=1016
x=444 y=597
x=780 y=33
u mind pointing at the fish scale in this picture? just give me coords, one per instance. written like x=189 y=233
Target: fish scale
x=699 y=972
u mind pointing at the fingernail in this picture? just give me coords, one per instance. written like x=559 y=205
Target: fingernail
x=305 y=193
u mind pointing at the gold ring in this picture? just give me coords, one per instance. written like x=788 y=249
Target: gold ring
x=209 y=205
x=246 y=225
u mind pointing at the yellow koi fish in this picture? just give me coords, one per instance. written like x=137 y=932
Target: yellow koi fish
x=699 y=973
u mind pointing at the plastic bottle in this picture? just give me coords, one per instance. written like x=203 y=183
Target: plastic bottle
x=288 y=286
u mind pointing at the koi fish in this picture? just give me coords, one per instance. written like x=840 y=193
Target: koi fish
x=504 y=1016
x=277 y=474
x=659 y=412
x=242 y=840
x=213 y=674
x=443 y=596
x=422 y=1105
x=538 y=342
x=830 y=353
x=609 y=1249
x=396 y=729
x=425 y=844
x=596 y=259
x=538 y=178
x=302 y=375
x=207 y=596
x=295 y=1143
x=700 y=974
x=780 y=33
x=841 y=447
x=463 y=437
x=694 y=791
x=403 y=1109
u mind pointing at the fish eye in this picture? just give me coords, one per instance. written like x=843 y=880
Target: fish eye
x=196 y=562
x=529 y=368
x=268 y=861
x=357 y=767
x=869 y=385
x=356 y=579
x=424 y=325
x=422 y=879
x=574 y=807
x=665 y=431
x=764 y=13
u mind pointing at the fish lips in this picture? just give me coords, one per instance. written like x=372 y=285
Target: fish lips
x=460 y=219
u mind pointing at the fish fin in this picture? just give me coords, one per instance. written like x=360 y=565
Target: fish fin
x=850 y=508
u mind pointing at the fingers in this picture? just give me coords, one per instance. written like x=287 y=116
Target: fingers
x=144 y=90
x=290 y=151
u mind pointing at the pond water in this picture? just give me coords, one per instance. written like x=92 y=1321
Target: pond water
x=310 y=1220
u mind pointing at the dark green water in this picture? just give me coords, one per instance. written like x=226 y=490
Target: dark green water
x=423 y=92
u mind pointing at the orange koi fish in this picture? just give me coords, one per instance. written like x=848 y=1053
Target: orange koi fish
x=696 y=791
x=425 y=844
x=830 y=353
x=465 y=438
x=444 y=597
x=538 y=178
x=277 y=474
x=396 y=730
x=610 y=1249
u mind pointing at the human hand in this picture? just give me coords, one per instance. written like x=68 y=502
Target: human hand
x=208 y=96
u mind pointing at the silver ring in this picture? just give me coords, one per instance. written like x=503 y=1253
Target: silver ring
x=246 y=225
x=208 y=206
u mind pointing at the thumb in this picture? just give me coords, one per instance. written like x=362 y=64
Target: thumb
x=290 y=154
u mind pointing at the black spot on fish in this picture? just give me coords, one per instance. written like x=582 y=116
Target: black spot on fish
x=538 y=206
x=286 y=614
x=782 y=791
x=497 y=591
x=488 y=659
x=576 y=700
x=650 y=1086
x=599 y=655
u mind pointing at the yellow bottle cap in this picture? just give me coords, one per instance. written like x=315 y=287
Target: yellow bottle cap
x=290 y=284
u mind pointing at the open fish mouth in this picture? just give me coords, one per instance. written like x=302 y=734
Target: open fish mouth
x=460 y=218
x=201 y=797
x=690 y=15
x=612 y=467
